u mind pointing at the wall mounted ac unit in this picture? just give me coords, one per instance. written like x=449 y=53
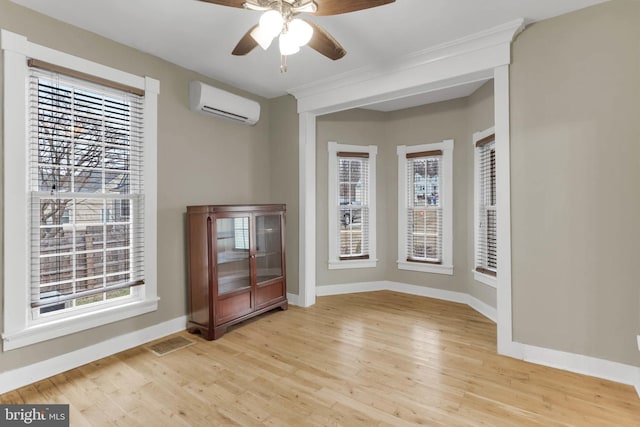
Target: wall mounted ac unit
x=217 y=102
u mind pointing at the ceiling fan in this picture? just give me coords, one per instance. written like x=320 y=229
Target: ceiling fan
x=280 y=20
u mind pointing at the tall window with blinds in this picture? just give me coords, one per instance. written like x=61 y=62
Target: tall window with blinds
x=353 y=206
x=85 y=168
x=424 y=209
x=486 y=230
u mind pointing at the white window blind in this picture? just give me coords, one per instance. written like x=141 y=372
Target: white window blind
x=353 y=206
x=87 y=191
x=486 y=243
x=424 y=210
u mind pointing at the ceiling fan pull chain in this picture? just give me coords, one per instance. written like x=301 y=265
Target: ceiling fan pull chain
x=283 y=63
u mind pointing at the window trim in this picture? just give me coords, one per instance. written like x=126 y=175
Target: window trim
x=446 y=200
x=335 y=262
x=18 y=329
x=487 y=279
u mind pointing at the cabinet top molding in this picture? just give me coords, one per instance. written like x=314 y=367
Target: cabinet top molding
x=236 y=208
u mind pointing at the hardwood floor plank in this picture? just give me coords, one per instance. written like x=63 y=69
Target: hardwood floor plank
x=369 y=359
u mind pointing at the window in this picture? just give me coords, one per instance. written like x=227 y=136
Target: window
x=85 y=165
x=83 y=204
x=352 y=206
x=424 y=211
x=486 y=250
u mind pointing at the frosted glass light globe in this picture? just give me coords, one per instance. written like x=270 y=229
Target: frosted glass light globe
x=271 y=23
x=288 y=45
x=300 y=31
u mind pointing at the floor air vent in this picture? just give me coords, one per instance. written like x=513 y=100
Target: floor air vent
x=170 y=345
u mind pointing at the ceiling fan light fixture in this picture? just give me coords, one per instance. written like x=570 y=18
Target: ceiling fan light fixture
x=310 y=7
x=300 y=31
x=271 y=23
x=261 y=37
x=288 y=45
x=253 y=6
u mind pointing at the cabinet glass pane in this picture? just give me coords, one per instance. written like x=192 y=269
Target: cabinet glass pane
x=233 y=254
x=268 y=248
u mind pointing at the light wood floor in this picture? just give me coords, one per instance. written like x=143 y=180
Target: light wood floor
x=377 y=358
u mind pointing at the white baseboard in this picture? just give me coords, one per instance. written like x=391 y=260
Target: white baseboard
x=350 y=288
x=580 y=364
x=11 y=380
x=292 y=299
x=483 y=308
x=638 y=376
x=384 y=285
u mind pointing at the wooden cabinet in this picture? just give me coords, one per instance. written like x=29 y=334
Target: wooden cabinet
x=236 y=265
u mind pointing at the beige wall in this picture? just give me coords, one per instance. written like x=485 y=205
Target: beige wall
x=356 y=127
x=200 y=160
x=420 y=125
x=456 y=119
x=575 y=175
x=284 y=176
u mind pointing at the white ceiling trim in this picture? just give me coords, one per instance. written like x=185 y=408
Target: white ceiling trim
x=461 y=61
x=460 y=90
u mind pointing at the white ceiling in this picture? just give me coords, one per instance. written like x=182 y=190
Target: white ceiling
x=200 y=36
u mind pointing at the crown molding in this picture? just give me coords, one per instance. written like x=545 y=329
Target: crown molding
x=476 y=55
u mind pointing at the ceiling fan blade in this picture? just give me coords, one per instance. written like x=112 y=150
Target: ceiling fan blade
x=324 y=43
x=246 y=43
x=336 y=7
x=230 y=3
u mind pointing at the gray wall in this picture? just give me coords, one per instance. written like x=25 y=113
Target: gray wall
x=575 y=175
x=356 y=127
x=457 y=119
x=200 y=160
x=420 y=125
x=284 y=176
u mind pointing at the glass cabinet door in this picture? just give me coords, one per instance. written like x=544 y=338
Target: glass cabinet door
x=233 y=254
x=268 y=248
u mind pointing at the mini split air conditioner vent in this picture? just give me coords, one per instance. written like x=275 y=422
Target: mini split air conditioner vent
x=216 y=102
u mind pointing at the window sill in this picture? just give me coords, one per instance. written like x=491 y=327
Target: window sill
x=69 y=325
x=486 y=279
x=426 y=268
x=360 y=263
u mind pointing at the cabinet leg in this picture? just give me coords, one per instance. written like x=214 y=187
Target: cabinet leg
x=219 y=332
